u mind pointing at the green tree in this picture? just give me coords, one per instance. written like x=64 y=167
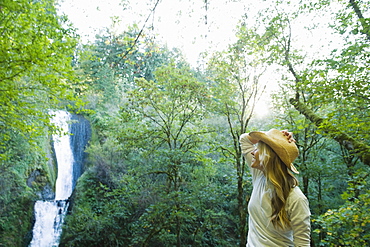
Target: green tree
x=36 y=56
x=149 y=174
x=37 y=47
x=330 y=92
x=340 y=81
x=173 y=108
x=108 y=66
x=18 y=189
x=348 y=225
x=236 y=88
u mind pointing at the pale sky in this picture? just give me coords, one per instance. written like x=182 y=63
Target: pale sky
x=179 y=23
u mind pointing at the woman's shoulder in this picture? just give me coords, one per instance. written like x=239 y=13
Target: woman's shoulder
x=297 y=202
x=296 y=194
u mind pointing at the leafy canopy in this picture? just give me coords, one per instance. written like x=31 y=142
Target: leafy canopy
x=36 y=54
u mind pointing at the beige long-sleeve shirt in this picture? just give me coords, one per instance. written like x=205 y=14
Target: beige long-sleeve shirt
x=261 y=231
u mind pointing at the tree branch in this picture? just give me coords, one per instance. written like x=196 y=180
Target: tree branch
x=141 y=31
x=228 y=151
x=354 y=146
x=365 y=27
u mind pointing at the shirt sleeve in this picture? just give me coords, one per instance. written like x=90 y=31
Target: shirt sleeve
x=247 y=147
x=299 y=214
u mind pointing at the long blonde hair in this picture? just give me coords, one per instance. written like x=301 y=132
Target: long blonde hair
x=283 y=180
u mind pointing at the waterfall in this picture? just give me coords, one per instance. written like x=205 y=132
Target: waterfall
x=69 y=153
x=49 y=220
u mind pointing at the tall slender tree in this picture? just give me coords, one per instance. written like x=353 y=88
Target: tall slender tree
x=237 y=87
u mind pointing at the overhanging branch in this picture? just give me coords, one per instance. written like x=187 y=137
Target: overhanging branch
x=141 y=31
x=355 y=147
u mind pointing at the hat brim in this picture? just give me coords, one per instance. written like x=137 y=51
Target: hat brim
x=262 y=136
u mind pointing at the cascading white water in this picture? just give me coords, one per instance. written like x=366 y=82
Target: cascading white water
x=64 y=156
x=50 y=214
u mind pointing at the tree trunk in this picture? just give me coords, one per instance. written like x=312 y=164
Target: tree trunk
x=354 y=146
x=241 y=207
x=242 y=215
x=319 y=195
x=178 y=232
x=305 y=185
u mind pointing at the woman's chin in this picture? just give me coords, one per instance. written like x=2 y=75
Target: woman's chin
x=257 y=166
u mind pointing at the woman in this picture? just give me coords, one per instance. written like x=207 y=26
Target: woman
x=279 y=213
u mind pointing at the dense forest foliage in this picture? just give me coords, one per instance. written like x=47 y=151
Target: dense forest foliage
x=164 y=165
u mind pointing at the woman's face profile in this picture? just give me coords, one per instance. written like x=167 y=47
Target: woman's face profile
x=256 y=163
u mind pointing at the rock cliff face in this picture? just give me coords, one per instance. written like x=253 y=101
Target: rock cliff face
x=81 y=133
x=44 y=181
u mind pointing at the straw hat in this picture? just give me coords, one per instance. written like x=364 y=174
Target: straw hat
x=287 y=151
